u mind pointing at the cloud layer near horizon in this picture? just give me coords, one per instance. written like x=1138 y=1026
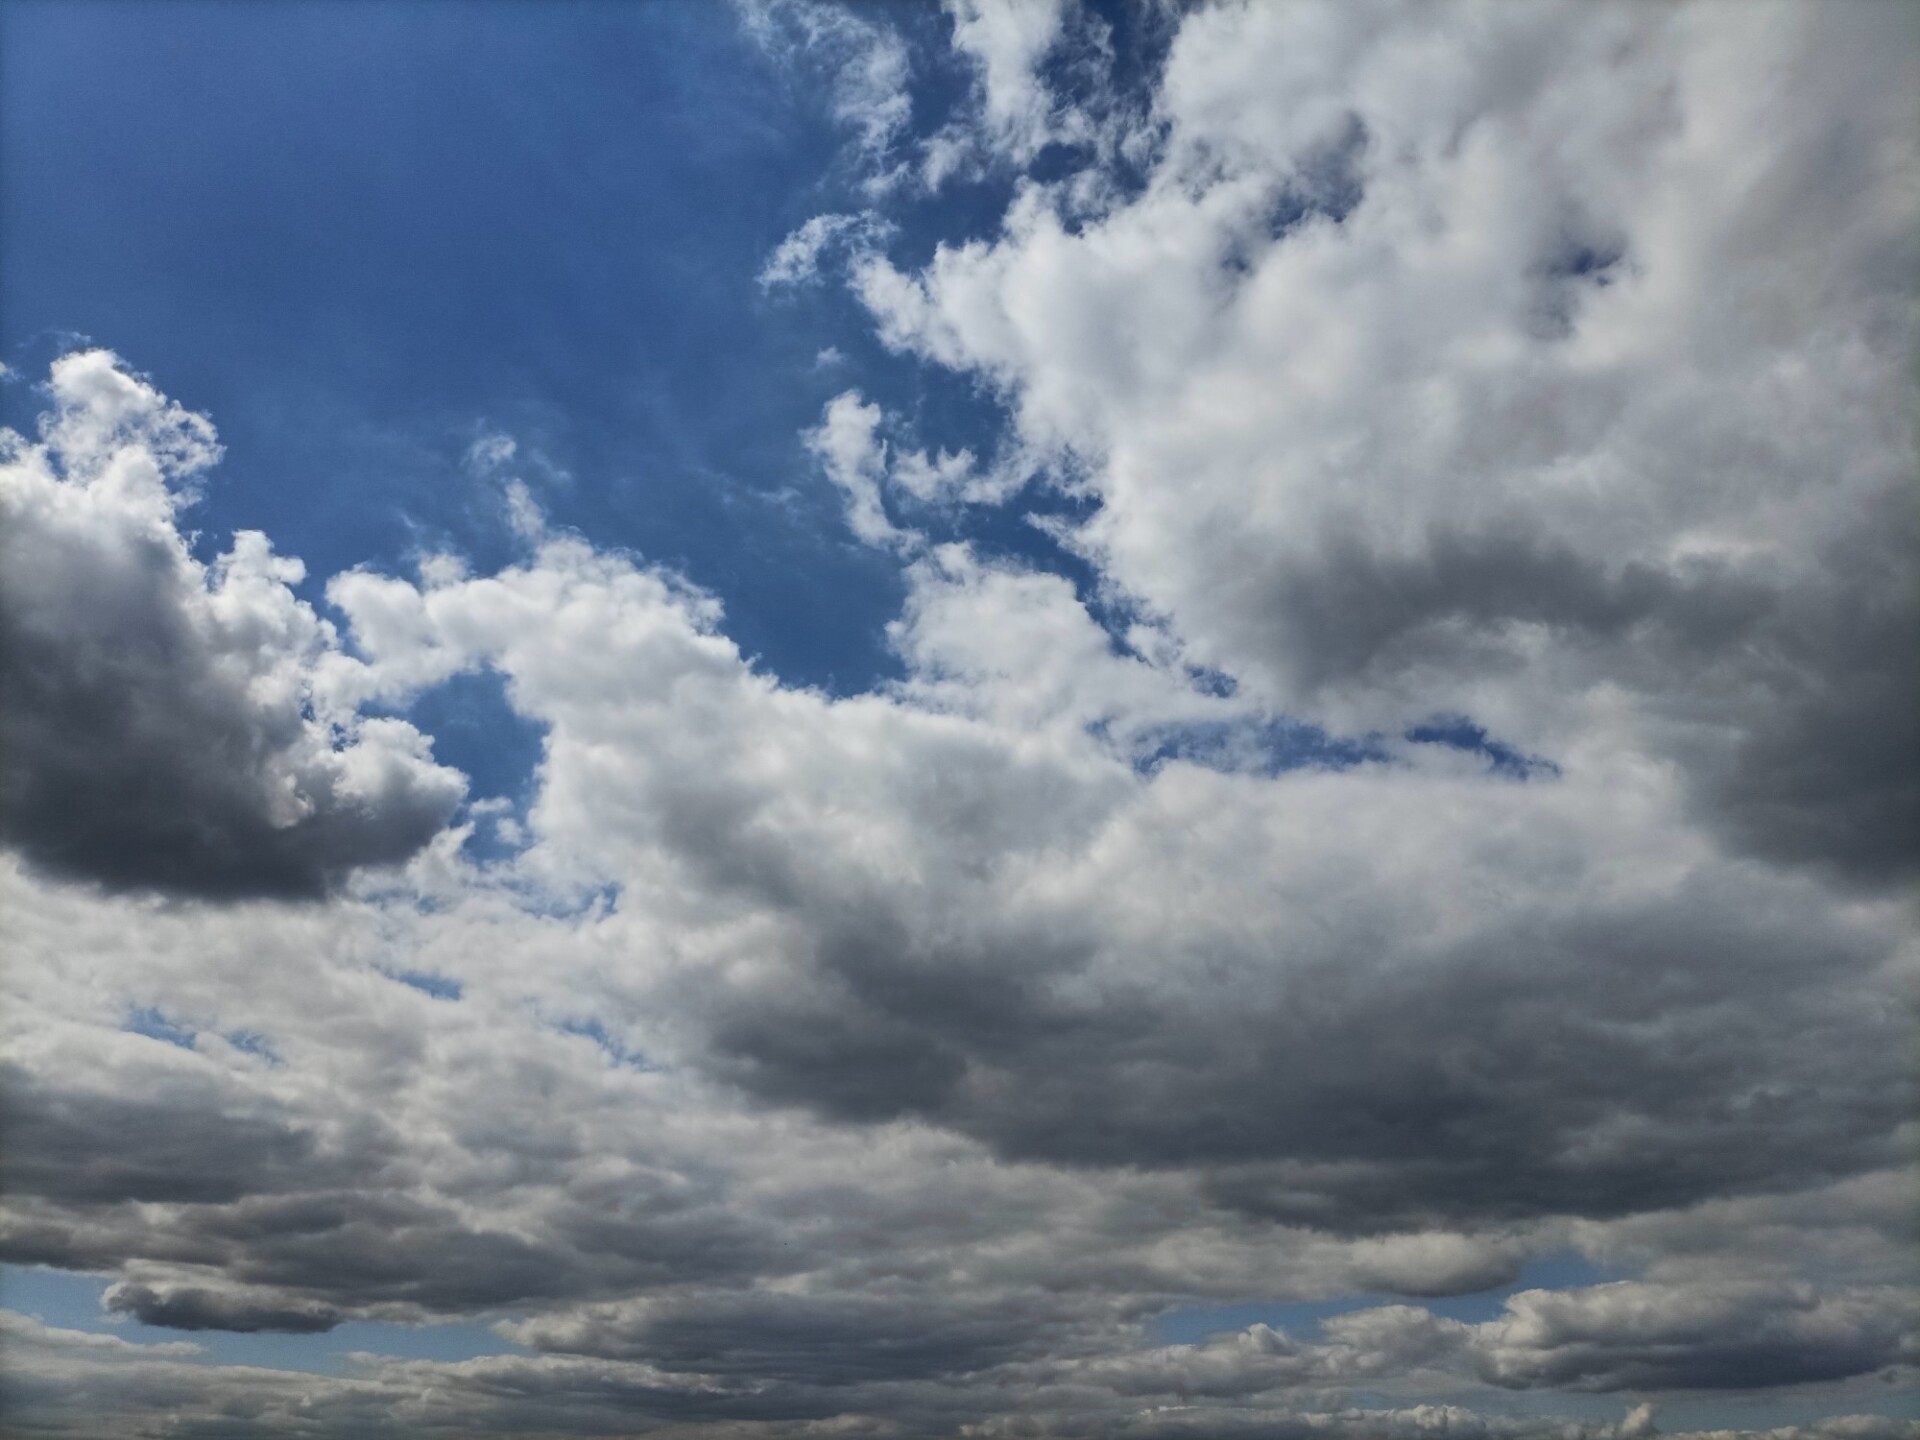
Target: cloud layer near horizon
x=1484 y=834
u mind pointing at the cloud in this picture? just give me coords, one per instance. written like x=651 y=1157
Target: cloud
x=796 y=260
x=68 y=1382
x=1368 y=1003
x=1533 y=390
x=164 y=723
x=1044 y=77
x=188 y=1308
x=1007 y=42
x=866 y=64
x=1170 y=935
x=1367 y=999
x=1621 y=1336
x=854 y=457
x=1629 y=1336
x=869 y=470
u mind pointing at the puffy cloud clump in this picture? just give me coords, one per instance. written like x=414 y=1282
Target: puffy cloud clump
x=1546 y=365
x=165 y=723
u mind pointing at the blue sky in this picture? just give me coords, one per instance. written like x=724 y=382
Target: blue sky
x=366 y=244
x=1094 y=719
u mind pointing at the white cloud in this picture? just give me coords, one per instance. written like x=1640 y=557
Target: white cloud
x=1171 y=1034
x=867 y=65
x=1008 y=41
x=894 y=1060
x=1561 y=387
x=868 y=469
x=796 y=260
x=848 y=444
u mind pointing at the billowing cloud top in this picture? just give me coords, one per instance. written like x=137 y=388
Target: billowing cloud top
x=167 y=723
x=1391 y=921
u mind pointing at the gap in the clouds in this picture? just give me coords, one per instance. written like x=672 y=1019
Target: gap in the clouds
x=155 y=1025
x=1456 y=732
x=253 y=1043
x=1108 y=68
x=437 y=986
x=1217 y=683
x=1273 y=744
x=71 y=1300
x=1023 y=531
x=1579 y=259
x=615 y=1052
x=1563 y=1270
x=145 y=1020
x=1260 y=746
x=476 y=730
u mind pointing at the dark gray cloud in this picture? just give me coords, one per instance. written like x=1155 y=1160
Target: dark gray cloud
x=1460 y=601
x=1593 y=1063
x=269 y=1229
x=893 y=1331
x=1802 y=683
x=135 y=761
x=157 y=722
x=1692 y=1337
x=191 y=1309
x=73 y=1384
x=186 y=1143
x=1826 y=769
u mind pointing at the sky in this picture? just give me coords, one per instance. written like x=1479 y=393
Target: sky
x=1009 y=720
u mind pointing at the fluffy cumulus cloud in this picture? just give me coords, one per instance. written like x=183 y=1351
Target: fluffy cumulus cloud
x=165 y=722
x=1453 y=819
x=1524 y=364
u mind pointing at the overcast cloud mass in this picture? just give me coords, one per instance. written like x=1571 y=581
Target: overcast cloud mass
x=1333 y=853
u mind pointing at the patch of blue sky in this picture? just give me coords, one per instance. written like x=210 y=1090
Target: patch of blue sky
x=477 y=731
x=1456 y=732
x=614 y=1051
x=70 y=1300
x=437 y=221
x=550 y=232
x=438 y=986
x=1264 y=745
x=253 y=1043
x=145 y=1020
x=1271 y=745
x=1579 y=258
x=1208 y=681
x=157 y=1025
x=583 y=904
x=1561 y=1271
x=1130 y=57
